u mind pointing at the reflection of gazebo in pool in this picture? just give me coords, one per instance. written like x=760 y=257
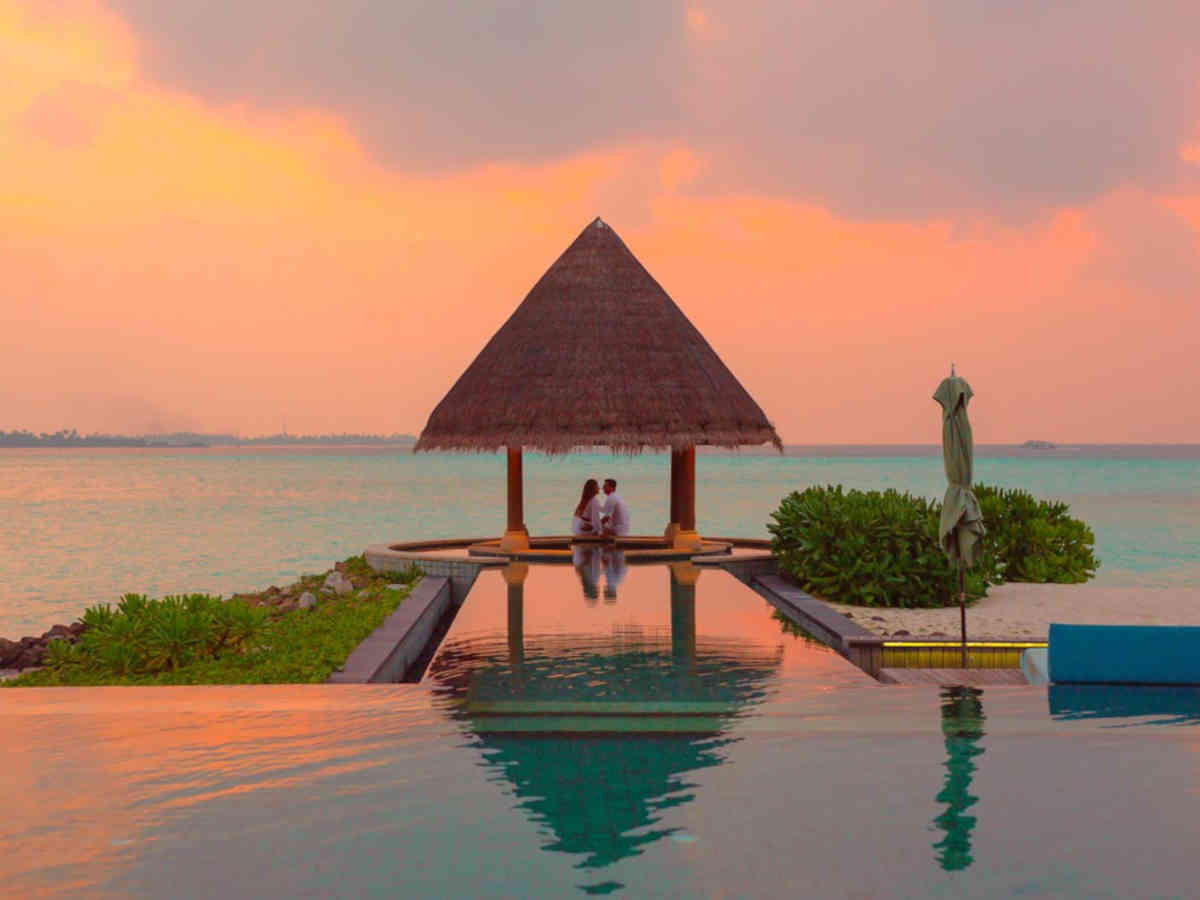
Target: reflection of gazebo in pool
x=629 y=681
x=597 y=733
x=597 y=354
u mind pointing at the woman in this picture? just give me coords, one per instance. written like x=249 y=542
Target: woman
x=586 y=520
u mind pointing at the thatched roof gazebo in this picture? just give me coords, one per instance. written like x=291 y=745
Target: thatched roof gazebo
x=598 y=354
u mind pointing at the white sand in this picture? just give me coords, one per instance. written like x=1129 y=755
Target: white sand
x=1026 y=611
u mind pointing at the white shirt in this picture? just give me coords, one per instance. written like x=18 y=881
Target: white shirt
x=591 y=515
x=618 y=512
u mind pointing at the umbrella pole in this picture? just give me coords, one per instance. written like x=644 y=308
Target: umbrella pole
x=962 y=609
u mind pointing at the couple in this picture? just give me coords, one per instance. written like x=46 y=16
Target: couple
x=600 y=518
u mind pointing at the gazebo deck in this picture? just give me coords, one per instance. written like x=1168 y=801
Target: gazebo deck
x=638 y=549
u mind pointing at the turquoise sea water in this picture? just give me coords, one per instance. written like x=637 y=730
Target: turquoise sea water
x=84 y=526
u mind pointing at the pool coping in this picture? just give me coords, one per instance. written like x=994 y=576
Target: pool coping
x=391 y=649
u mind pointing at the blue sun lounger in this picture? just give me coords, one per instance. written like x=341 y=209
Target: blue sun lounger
x=1116 y=654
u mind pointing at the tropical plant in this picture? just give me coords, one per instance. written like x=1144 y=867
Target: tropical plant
x=1036 y=540
x=867 y=547
x=881 y=548
x=144 y=636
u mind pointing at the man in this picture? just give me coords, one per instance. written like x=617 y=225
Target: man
x=615 y=514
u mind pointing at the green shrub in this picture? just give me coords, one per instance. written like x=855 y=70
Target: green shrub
x=145 y=637
x=867 y=547
x=878 y=548
x=1036 y=540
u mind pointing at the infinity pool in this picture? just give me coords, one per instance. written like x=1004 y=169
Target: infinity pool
x=671 y=738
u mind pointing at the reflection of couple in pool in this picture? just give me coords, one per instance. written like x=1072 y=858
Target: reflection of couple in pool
x=588 y=560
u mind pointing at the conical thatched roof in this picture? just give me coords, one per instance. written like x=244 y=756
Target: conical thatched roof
x=596 y=354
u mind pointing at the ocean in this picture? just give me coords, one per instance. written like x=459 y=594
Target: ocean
x=86 y=525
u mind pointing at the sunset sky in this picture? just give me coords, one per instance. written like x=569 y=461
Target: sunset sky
x=215 y=215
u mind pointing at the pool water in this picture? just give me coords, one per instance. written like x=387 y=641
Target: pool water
x=675 y=741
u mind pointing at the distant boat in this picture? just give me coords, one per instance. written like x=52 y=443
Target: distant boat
x=1039 y=445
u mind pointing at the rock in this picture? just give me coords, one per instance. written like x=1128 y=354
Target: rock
x=60 y=632
x=28 y=658
x=878 y=619
x=396 y=587
x=848 y=615
x=899 y=632
x=8 y=653
x=28 y=641
x=338 y=582
x=938 y=634
x=307 y=601
x=77 y=628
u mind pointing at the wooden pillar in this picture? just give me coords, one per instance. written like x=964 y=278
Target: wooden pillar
x=672 y=528
x=516 y=536
x=687 y=536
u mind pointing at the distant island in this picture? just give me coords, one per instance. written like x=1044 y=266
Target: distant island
x=72 y=438
x=1039 y=445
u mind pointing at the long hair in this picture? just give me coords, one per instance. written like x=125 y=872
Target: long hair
x=590 y=489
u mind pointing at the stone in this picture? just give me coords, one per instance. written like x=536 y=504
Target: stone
x=8 y=653
x=878 y=619
x=397 y=587
x=29 y=657
x=901 y=632
x=338 y=582
x=77 y=628
x=307 y=601
x=61 y=632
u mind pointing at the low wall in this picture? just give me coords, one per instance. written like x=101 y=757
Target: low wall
x=391 y=649
x=460 y=572
x=746 y=569
x=851 y=640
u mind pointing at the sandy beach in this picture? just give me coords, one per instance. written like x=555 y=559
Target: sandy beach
x=1026 y=611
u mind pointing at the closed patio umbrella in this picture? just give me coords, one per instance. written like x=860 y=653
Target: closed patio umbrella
x=961 y=529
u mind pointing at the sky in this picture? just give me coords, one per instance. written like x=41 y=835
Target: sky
x=228 y=215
